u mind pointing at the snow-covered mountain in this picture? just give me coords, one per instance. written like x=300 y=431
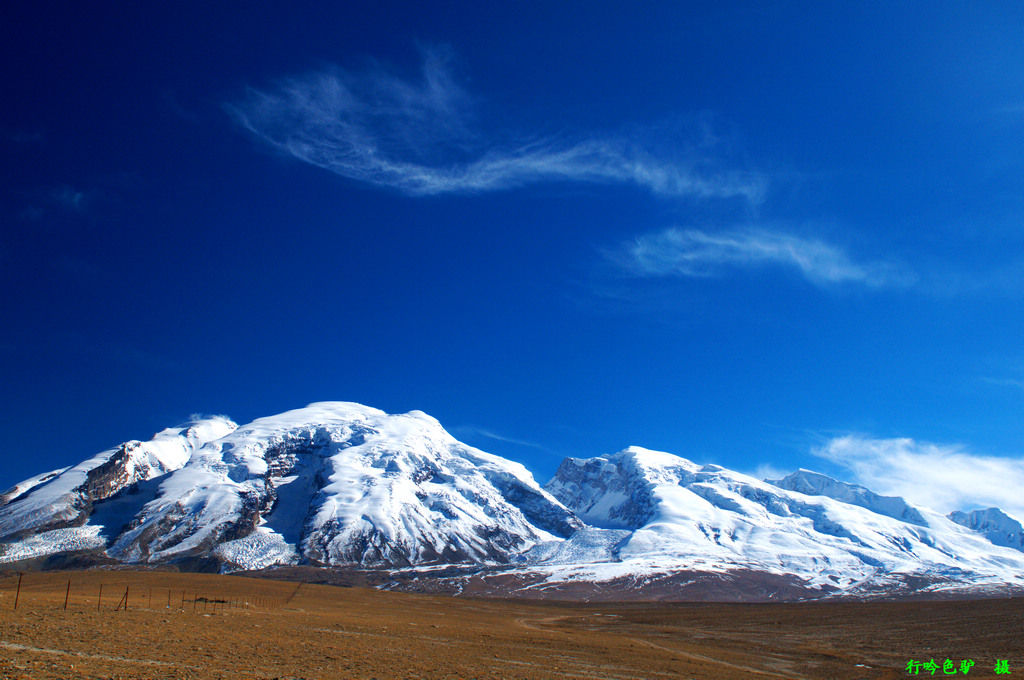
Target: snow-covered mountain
x=817 y=484
x=333 y=483
x=341 y=485
x=667 y=510
x=48 y=503
x=994 y=524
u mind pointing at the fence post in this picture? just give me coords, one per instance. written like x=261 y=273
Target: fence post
x=67 y=593
x=18 y=594
x=100 y=598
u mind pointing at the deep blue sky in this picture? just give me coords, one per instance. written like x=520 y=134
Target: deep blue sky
x=766 y=235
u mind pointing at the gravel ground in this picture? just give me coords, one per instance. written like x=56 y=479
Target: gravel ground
x=207 y=626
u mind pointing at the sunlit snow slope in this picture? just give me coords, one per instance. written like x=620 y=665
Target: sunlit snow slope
x=51 y=512
x=344 y=485
x=994 y=524
x=333 y=483
x=667 y=513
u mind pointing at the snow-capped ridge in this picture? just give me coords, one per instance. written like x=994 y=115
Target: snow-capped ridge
x=817 y=484
x=342 y=484
x=65 y=498
x=707 y=517
x=994 y=524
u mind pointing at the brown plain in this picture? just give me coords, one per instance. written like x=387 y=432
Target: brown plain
x=233 y=627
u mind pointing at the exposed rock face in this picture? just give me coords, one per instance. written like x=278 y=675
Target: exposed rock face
x=604 y=492
x=65 y=498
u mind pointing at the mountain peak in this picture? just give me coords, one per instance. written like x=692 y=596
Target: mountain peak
x=331 y=483
x=816 y=484
x=994 y=524
x=65 y=498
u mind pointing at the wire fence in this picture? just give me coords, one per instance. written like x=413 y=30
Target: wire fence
x=42 y=590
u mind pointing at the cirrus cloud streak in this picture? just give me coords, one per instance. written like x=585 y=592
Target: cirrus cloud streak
x=941 y=477
x=419 y=137
x=697 y=253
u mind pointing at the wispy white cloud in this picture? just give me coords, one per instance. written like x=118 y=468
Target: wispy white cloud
x=942 y=477
x=19 y=136
x=59 y=199
x=1015 y=109
x=1005 y=382
x=697 y=253
x=32 y=213
x=768 y=471
x=474 y=431
x=76 y=268
x=68 y=197
x=420 y=137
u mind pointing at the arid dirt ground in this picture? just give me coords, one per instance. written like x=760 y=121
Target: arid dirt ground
x=275 y=629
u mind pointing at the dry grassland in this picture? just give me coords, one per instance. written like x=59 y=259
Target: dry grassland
x=274 y=629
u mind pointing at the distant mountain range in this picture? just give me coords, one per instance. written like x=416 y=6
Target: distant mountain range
x=338 y=487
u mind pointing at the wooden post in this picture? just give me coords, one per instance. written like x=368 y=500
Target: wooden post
x=18 y=594
x=67 y=593
x=168 y=598
x=100 y=598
